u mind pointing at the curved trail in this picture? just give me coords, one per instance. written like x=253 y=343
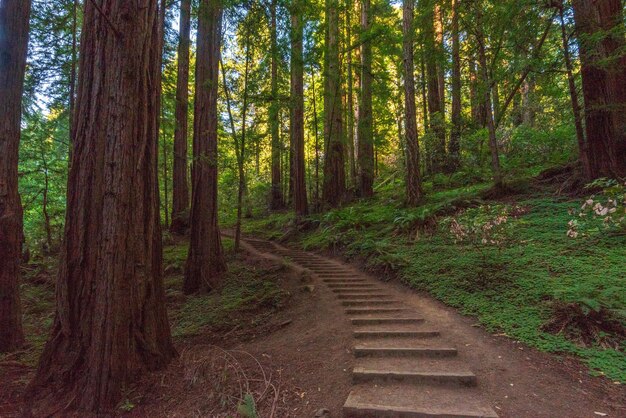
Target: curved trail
x=404 y=367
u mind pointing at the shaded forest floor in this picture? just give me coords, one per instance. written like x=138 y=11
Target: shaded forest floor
x=235 y=345
x=537 y=286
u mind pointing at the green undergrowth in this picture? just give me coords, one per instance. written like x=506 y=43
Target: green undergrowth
x=515 y=290
x=250 y=294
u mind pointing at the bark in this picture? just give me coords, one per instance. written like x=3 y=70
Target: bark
x=573 y=91
x=435 y=105
x=180 y=184
x=14 y=15
x=72 y=81
x=454 y=147
x=297 y=111
x=600 y=30
x=334 y=167
x=277 y=195
x=110 y=324
x=205 y=261
x=528 y=102
x=487 y=103
x=365 y=134
x=317 y=145
x=350 y=149
x=413 y=181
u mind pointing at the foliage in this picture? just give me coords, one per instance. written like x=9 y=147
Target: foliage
x=602 y=212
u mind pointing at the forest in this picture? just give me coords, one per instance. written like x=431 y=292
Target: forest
x=299 y=208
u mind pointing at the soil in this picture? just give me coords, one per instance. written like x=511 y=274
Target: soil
x=300 y=361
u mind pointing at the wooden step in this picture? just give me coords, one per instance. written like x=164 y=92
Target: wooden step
x=374 y=310
x=396 y=351
x=395 y=334
x=382 y=320
x=415 y=401
x=361 y=296
x=462 y=378
x=349 y=290
x=368 y=302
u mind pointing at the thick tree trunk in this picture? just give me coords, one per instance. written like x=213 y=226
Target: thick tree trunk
x=300 y=203
x=454 y=148
x=365 y=134
x=277 y=194
x=350 y=119
x=180 y=184
x=73 y=72
x=205 y=262
x=413 y=182
x=110 y=324
x=14 y=15
x=334 y=167
x=600 y=29
x=528 y=102
x=573 y=91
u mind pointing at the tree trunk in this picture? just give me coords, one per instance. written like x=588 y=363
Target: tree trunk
x=573 y=91
x=454 y=148
x=14 y=15
x=487 y=103
x=528 y=102
x=297 y=111
x=180 y=185
x=205 y=262
x=435 y=106
x=413 y=182
x=277 y=195
x=600 y=29
x=365 y=135
x=110 y=323
x=72 y=81
x=351 y=149
x=334 y=166
x=317 y=145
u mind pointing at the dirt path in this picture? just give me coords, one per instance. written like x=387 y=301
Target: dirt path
x=414 y=357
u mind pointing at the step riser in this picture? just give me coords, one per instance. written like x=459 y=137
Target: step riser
x=452 y=380
x=372 y=302
x=382 y=352
x=395 y=334
x=380 y=321
x=350 y=290
x=364 y=311
x=382 y=412
x=357 y=296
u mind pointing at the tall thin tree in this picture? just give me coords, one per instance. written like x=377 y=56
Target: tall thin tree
x=277 y=195
x=413 y=176
x=180 y=185
x=205 y=261
x=365 y=134
x=297 y=110
x=14 y=15
x=110 y=322
x=334 y=188
x=454 y=146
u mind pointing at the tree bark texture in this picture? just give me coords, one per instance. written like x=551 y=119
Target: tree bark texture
x=14 y=15
x=365 y=134
x=300 y=203
x=180 y=184
x=413 y=182
x=454 y=147
x=277 y=201
x=205 y=261
x=600 y=30
x=334 y=167
x=110 y=324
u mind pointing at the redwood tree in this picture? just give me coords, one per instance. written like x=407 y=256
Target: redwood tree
x=14 y=16
x=365 y=136
x=180 y=187
x=297 y=110
x=274 y=108
x=413 y=182
x=334 y=166
x=205 y=261
x=110 y=323
x=600 y=29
